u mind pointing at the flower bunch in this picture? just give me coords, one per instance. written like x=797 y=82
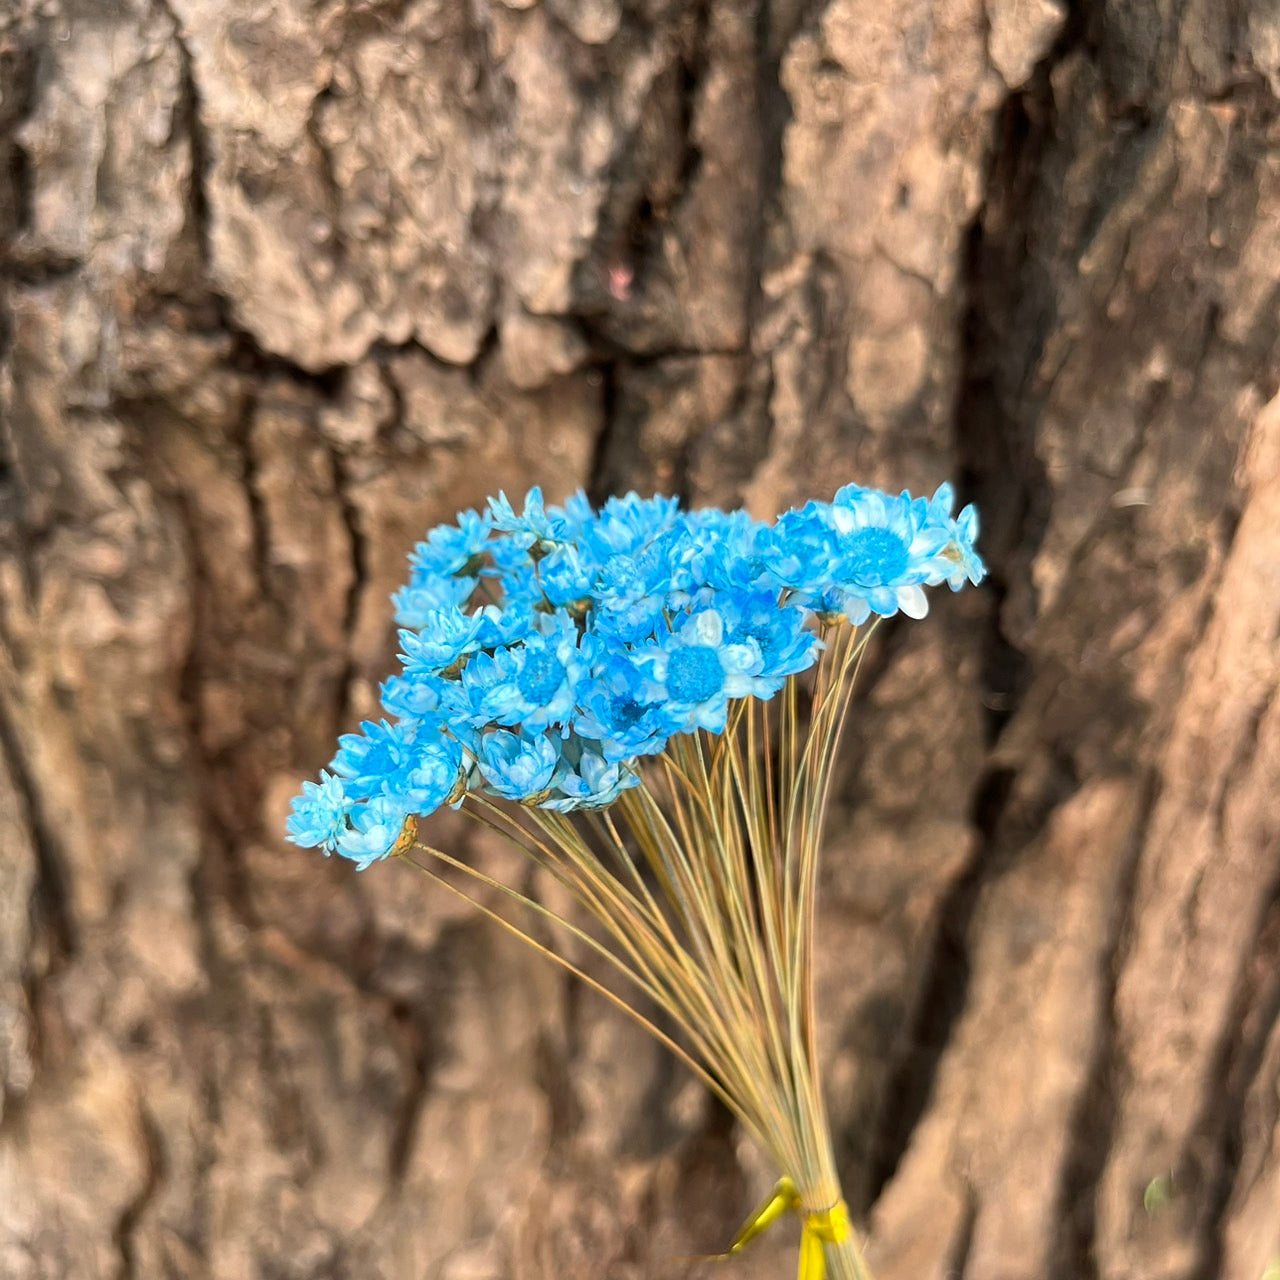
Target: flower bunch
x=546 y=652
x=619 y=694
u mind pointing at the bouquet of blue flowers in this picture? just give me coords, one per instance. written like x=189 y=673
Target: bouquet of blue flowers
x=648 y=703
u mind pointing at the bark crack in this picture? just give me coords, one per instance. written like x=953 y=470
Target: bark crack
x=21 y=261
x=943 y=991
x=153 y=1178
x=998 y=470
x=359 y=545
x=600 y=481
x=1220 y=1131
x=52 y=899
x=188 y=116
x=417 y=1055
x=328 y=174
x=259 y=531
x=958 y=1259
x=219 y=846
x=1092 y=1125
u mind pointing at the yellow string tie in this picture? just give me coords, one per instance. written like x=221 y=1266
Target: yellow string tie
x=824 y=1227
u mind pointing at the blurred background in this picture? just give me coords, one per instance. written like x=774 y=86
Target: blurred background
x=285 y=282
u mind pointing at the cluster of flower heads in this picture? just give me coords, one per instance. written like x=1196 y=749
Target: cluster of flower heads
x=546 y=651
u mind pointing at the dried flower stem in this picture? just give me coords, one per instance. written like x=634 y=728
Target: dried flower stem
x=702 y=893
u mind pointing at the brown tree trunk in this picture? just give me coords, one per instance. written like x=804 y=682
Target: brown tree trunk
x=284 y=284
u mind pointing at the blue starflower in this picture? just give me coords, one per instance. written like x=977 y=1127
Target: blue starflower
x=448 y=636
x=699 y=671
x=431 y=776
x=576 y=517
x=531 y=527
x=368 y=759
x=416 y=604
x=375 y=828
x=504 y=625
x=633 y=589
x=593 y=783
x=625 y=525
x=727 y=551
x=418 y=696
x=614 y=714
x=535 y=683
x=319 y=815
x=801 y=553
x=959 y=561
x=451 y=549
x=786 y=647
x=518 y=766
x=565 y=576
x=886 y=551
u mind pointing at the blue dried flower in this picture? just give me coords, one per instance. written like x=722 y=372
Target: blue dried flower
x=319 y=815
x=546 y=652
x=447 y=636
x=367 y=761
x=960 y=552
x=375 y=828
x=534 y=525
x=614 y=713
x=535 y=683
x=518 y=766
x=593 y=783
x=698 y=671
x=429 y=594
x=432 y=775
x=451 y=549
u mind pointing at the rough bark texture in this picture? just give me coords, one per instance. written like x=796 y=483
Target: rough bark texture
x=287 y=281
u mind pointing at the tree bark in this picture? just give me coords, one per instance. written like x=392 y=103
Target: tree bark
x=284 y=284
